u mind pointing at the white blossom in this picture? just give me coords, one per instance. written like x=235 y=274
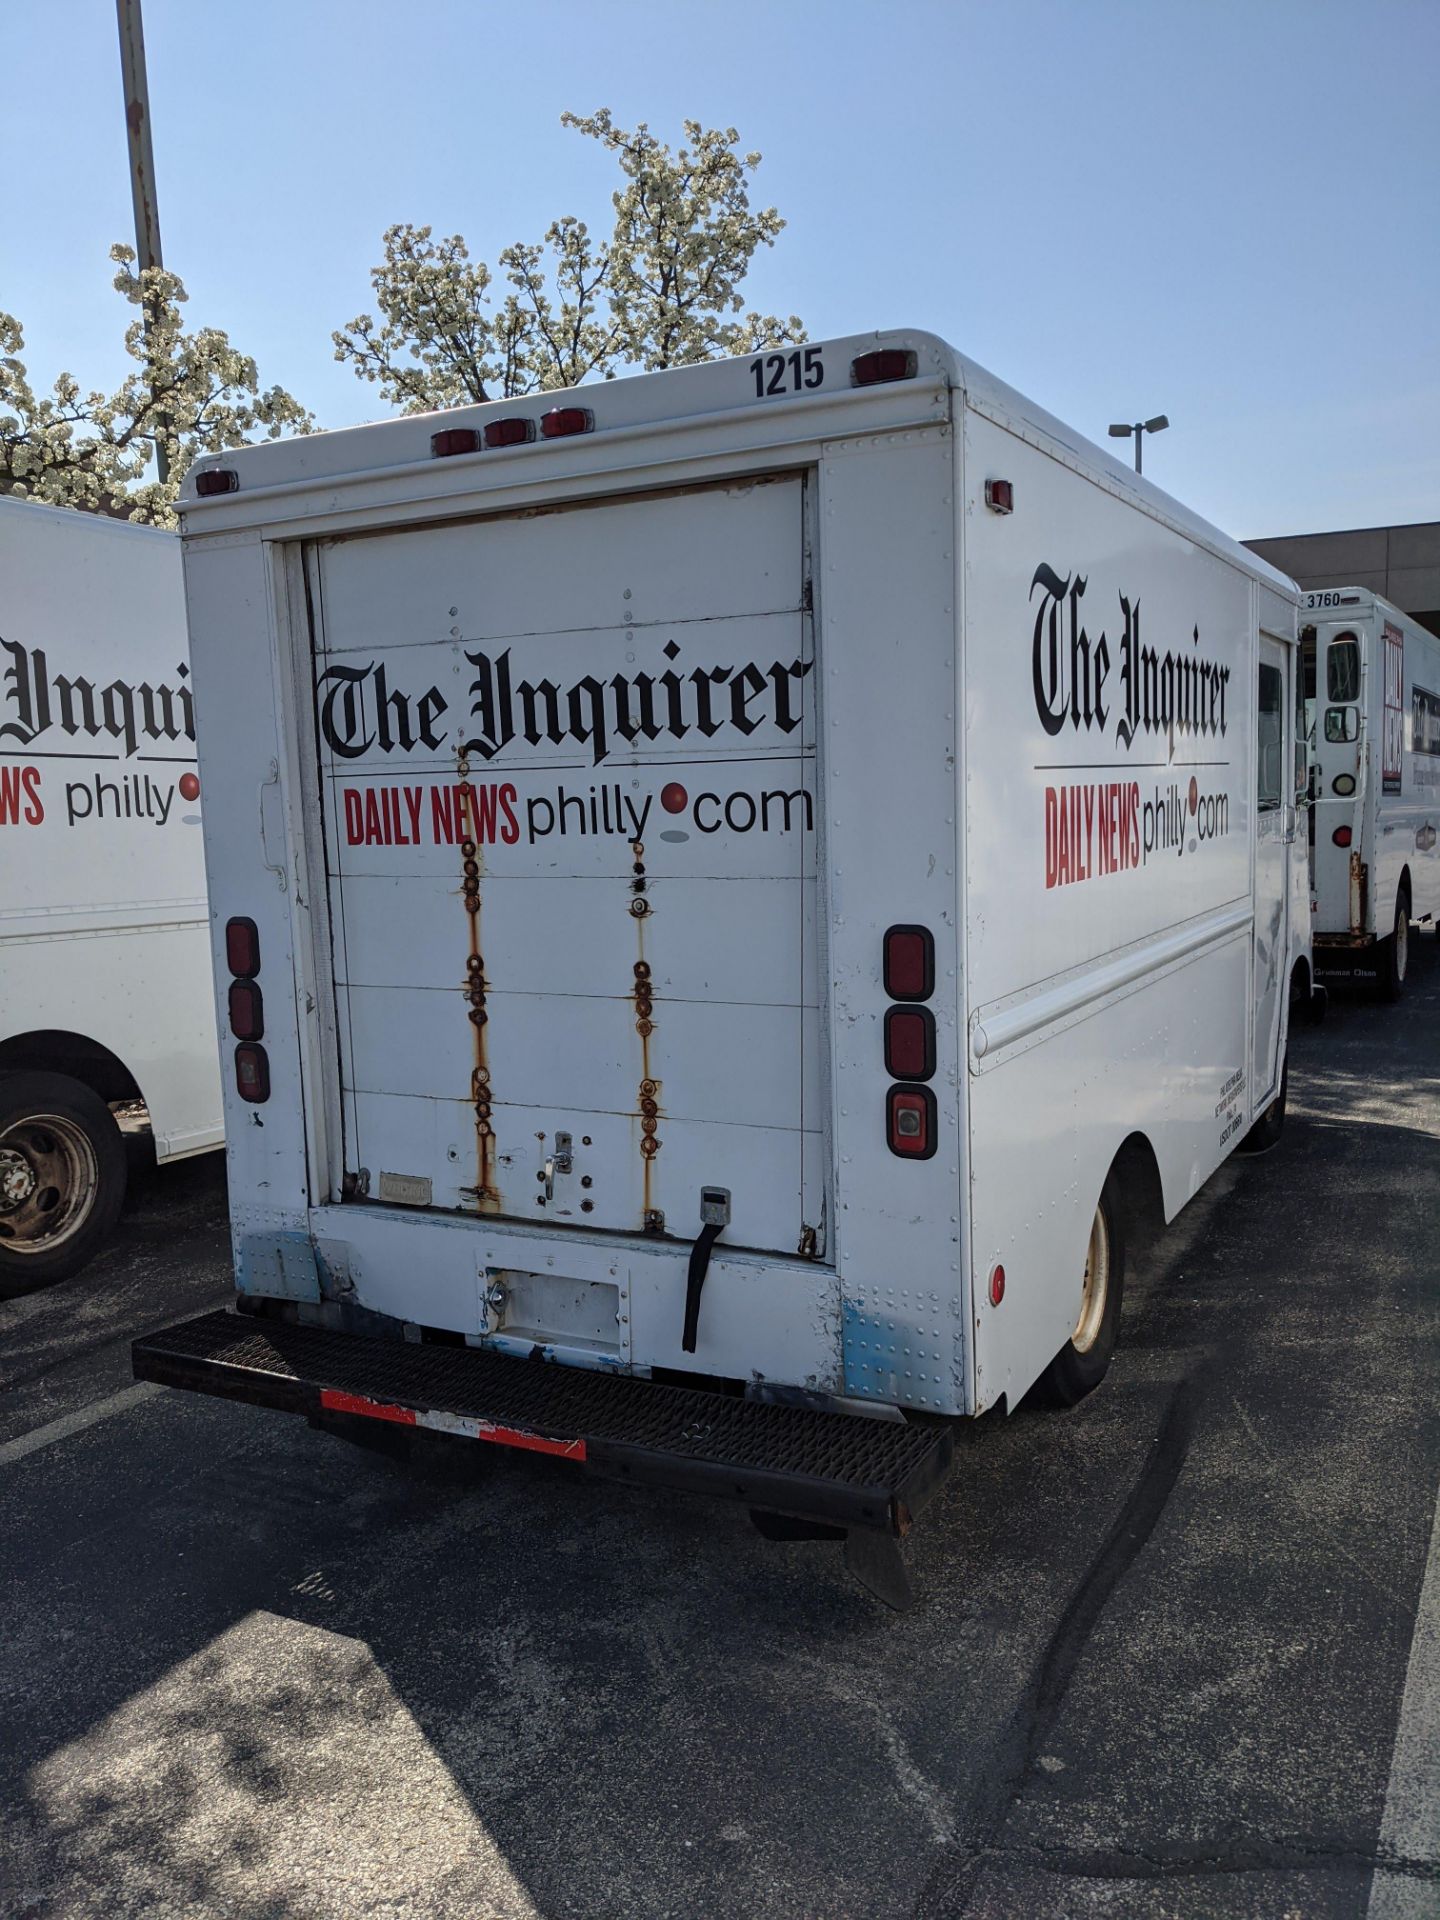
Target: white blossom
x=191 y=393
x=662 y=291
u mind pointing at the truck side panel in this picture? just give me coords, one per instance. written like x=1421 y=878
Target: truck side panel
x=1110 y=668
x=102 y=906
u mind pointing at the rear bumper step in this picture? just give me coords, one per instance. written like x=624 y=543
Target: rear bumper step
x=840 y=1469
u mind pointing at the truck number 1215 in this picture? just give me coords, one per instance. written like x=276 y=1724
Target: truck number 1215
x=787 y=372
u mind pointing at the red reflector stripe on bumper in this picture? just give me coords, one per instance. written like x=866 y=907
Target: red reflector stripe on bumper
x=372 y=1409
x=466 y=1425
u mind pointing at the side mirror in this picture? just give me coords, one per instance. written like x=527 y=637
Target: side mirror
x=1342 y=724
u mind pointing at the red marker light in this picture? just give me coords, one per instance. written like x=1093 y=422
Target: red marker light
x=909 y=1043
x=189 y=786
x=673 y=797
x=242 y=948
x=509 y=433
x=454 y=440
x=561 y=422
x=886 y=363
x=997 y=1286
x=1341 y=836
x=216 y=480
x=909 y=963
x=999 y=496
x=247 y=1010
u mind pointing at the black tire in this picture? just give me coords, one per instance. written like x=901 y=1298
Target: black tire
x=1394 y=954
x=1267 y=1130
x=62 y=1179
x=1079 y=1368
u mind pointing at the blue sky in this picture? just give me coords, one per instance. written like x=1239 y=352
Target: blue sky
x=1229 y=213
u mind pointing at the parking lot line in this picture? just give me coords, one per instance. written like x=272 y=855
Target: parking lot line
x=76 y=1422
x=1410 y=1829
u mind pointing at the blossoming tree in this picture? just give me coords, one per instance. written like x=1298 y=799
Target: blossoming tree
x=661 y=291
x=190 y=393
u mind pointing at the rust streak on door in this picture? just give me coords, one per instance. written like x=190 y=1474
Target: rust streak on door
x=487 y=1195
x=649 y=1096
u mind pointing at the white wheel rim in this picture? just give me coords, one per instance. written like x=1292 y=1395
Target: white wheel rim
x=49 y=1177
x=1095 y=1288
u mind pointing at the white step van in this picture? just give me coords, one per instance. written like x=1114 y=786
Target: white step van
x=728 y=885
x=1372 y=692
x=106 y=998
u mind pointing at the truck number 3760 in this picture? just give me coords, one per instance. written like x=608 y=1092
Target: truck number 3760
x=787 y=372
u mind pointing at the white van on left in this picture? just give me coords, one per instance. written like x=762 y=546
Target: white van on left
x=105 y=987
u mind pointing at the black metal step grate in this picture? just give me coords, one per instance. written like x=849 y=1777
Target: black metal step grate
x=877 y=1472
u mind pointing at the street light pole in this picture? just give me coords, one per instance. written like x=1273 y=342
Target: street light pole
x=142 y=164
x=1141 y=427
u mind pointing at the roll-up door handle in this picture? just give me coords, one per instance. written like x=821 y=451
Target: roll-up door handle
x=272 y=824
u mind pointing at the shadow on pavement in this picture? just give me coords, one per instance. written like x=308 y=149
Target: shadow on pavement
x=1154 y=1670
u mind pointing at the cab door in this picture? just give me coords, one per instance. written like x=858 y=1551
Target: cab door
x=1274 y=837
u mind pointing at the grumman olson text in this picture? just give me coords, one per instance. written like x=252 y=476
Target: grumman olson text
x=699 y=942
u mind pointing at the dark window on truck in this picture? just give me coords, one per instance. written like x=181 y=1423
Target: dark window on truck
x=1269 y=759
x=1342 y=669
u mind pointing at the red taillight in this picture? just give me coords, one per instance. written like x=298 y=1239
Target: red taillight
x=242 y=948
x=886 y=363
x=909 y=1043
x=999 y=496
x=909 y=955
x=997 y=1286
x=216 y=480
x=560 y=422
x=247 y=1010
x=1341 y=836
x=454 y=440
x=509 y=433
x=252 y=1073
x=910 y=1122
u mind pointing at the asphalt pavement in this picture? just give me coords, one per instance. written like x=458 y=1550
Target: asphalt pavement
x=1165 y=1660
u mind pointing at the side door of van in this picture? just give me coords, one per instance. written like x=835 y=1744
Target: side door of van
x=1275 y=816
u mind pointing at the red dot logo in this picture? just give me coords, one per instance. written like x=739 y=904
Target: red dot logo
x=674 y=798
x=189 y=787
x=1194 y=793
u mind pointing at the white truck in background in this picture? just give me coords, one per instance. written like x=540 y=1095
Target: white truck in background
x=1372 y=688
x=105 y=988
x=782 y=863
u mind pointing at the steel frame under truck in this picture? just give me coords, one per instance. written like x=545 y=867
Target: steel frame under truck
x=730 y=889
x=1372 y=688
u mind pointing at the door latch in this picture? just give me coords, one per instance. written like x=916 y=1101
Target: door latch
x=714 y=1218
x=494 y=1298
x=562 y=1160
x=714 y=1206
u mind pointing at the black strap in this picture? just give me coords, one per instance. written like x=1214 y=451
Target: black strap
x=695 y=1282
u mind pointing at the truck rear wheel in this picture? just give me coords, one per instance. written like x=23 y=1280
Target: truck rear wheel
x=1394 y=953
x=1084 y=1360
x=62 y=1178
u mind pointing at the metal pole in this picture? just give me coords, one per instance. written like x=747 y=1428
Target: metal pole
x=1139 y=436
x=142 y=164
